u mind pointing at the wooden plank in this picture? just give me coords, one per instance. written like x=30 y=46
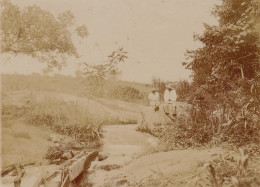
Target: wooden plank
x=76 y=168
x=91 y=157
x=81 y=165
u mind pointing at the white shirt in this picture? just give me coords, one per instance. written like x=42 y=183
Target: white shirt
x=154 y=97
x=170 y=96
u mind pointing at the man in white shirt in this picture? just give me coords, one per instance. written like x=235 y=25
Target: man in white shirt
x=170 y=97
x=154 y=99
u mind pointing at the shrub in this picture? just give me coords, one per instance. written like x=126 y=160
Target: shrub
x=205 y=124
x=127 y=94
x=66 y=119
x=226 y=169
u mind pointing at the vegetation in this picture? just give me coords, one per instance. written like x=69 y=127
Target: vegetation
x=38 y=33
x=115 y=89
x=159 y=85
x=229 y=169
x=66 y=119
x=224 y=94
x=97 y=74
x=101 y=80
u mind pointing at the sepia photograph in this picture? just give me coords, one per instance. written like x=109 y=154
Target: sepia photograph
x=130 y=93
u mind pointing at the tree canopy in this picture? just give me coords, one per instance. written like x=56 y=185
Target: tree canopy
x=226 y=72
x=38 y=33
x=229 y=57
x=96 y=74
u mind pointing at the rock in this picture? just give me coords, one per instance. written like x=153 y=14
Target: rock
x=102 y=157
x=67 y=155
x=149 y=119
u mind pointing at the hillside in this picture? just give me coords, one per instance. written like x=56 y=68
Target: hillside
x=75 y=86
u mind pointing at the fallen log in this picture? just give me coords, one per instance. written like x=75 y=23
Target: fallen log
x=81 y=165
x=67 y=163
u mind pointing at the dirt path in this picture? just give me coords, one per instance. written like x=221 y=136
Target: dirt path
x=123 y=162
x=122 y=144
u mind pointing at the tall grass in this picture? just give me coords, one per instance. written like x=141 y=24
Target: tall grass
x=226 y=169
x=66 y=119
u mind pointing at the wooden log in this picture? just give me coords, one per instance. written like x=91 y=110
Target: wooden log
x=81 y=165
x=65 y=164
x=91 y=157
x=76 y=168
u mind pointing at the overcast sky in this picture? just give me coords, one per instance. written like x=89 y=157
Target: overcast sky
x=156 y=34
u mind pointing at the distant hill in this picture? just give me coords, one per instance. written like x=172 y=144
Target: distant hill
x=122 y=90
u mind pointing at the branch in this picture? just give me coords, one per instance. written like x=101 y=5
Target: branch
x=244 y=56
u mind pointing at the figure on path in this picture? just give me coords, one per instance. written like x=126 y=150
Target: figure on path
x=154 y=99
x=170 y=97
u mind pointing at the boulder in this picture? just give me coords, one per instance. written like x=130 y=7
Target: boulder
x=149 y=118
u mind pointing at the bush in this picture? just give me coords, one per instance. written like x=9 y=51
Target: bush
x=127 y=94
x=66 y=119
x=228 y=170
x=205 y=124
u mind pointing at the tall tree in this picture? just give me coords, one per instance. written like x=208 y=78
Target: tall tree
x=37 y=33
x=229 y=57
x=226 y=71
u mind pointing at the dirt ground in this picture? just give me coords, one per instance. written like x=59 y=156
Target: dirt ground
x=23 y=143
x=129 y=163
x=127 y=157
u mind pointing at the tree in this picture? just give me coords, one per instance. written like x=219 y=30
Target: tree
x=230 y=52
x=226 y=69
x=96 y=74
x=37 y=33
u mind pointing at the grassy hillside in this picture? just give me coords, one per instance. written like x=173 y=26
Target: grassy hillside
x=36 y=106
x=122 y=90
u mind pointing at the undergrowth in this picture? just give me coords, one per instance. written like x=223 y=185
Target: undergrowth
x=202 y=127
x=66 y=119
x=228 y=169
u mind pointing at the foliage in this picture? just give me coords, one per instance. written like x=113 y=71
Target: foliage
x=189 y=130
x=37 y=33
x=159 y=85
x=230 y=50
x=183 y=90
x=96 y=74
x=66 y=119
x=227 y=170
x=63 y=148
x=226 y=72
x=128 y=94
x=199 y=126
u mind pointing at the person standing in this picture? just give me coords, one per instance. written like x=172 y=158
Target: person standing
x=170 y=97
x=154 y=99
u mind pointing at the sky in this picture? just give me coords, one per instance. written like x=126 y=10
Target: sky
x=155 y=33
